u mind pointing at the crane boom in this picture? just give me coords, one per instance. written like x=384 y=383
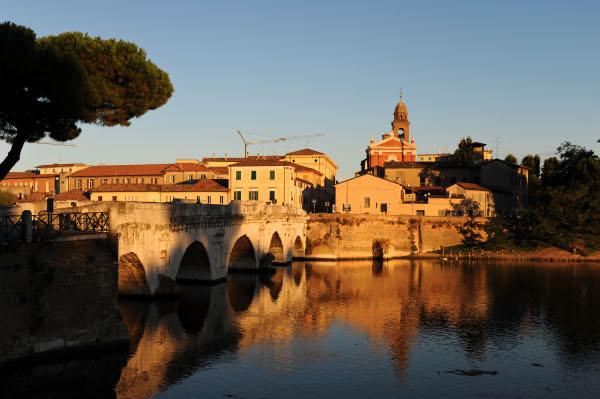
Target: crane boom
x=273 y=140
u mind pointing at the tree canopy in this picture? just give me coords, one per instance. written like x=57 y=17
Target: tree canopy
x=463 y=152
x=51 y=85
x=511 y=158
x=564 y=209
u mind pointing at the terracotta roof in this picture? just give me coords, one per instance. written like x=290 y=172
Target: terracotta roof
x=427 y=188
x=34 y=197
x=304 y=181
x=471 y=186
x=305 y=151
x=72 y=195
x=302 y=168
x=27 y=175
x=262 y=162
x=57 y=165
x=187 y=167
x=200 y=185
x=241 y=159
x=122 y=170
x=207 y=185
x=220 y=170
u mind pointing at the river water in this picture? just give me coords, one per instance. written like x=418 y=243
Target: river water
x=370 y=329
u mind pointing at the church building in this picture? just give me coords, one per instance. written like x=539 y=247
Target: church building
x=396 y=145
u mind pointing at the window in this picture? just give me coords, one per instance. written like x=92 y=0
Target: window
x=253 y=195
x=155 y=180
x=367 y=202
x=253 y=175
x=209 y=199
x=114 y=198
x=90 y=183
x=420 y=212
x=116 y=181
x=220 y=199
x=237 y=195
x=238 y=175
x=104 y=181
x=78 y=183
x=191 y=177
x=172 y=178
x=271 y=175
x=99 y=198
x=271 y=195
x=126 y=181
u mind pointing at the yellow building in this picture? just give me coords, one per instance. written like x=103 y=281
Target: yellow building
x=481 y=195
x=204 y=191
x=324 y=192
x=267 y=180
x=368 y=194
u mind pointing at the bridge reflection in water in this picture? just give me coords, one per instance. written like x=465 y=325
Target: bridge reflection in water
x=371 y=329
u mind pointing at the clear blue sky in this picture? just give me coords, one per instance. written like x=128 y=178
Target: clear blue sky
x=525 y=71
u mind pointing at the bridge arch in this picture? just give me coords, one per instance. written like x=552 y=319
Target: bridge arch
x=132 y=276
x=195 y=264
x=276 y=249
x=298 y=248
x=242 y=255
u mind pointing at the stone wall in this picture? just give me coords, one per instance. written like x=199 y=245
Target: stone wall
x=58 y=296
x=337 y=236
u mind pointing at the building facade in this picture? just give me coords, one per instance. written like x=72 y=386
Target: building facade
x=396 y=145
x=62 y=170
x=23 y=184
x=204 y=191
x=268 y=181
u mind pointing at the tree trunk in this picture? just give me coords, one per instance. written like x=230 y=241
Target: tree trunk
x=13 y=155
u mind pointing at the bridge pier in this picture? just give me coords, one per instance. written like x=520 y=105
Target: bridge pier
x=160 y=244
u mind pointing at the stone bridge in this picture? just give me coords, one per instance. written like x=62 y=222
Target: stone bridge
x=161 y=243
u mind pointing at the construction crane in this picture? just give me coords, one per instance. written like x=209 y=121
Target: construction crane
x=273 y=140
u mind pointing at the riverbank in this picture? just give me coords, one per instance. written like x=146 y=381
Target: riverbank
x=548 y=254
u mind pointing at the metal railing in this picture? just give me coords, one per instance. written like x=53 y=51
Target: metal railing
x=45 y=226
x=11 y=228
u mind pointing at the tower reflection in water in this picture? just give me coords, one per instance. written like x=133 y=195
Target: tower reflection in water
x=388 y=310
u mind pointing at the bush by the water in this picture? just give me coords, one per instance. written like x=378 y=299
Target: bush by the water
x=564 y=204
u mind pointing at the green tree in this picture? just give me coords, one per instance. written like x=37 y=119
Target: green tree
x=50 y=86
x=472 y=227
x=533 y=163
x=6 y=199
x=511 y=158
x=463 y=152
x=565 y=210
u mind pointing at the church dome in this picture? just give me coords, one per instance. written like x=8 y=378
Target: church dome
x=401 y=111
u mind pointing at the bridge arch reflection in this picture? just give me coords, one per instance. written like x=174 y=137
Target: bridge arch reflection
x=242 y=256
x=195 y=264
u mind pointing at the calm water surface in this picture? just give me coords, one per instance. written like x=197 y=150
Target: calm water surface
x=411 y=329
x=354 y=330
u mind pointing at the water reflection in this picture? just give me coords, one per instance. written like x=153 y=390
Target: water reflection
x=344 y=326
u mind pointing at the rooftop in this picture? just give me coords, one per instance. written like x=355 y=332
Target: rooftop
x=27 y=175
x=305 y=151
x=59 y=165
x=122 y=170
x=471 y=186
x=207 y=185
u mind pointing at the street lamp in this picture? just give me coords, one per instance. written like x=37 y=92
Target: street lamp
x=314 y=202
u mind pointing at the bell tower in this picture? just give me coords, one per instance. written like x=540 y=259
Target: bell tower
x=401 y=124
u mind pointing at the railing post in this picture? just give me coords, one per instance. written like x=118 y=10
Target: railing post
x=27 y=226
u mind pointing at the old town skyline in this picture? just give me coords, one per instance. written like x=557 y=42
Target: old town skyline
x=456 y=76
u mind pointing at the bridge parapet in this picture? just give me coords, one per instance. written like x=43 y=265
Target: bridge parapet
x=162 y=242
